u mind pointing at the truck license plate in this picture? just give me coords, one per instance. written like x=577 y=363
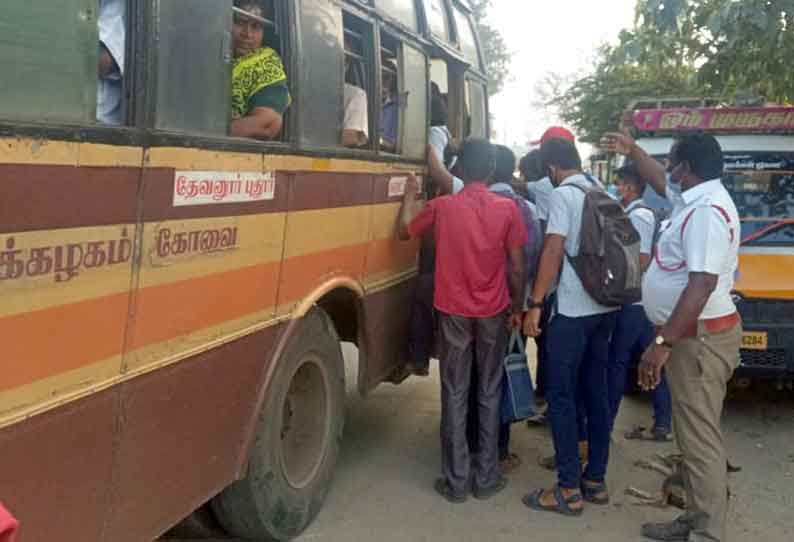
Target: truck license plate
x=752 y=340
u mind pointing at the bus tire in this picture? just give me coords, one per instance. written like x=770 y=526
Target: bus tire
x=297 y=441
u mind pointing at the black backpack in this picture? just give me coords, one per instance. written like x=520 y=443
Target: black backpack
x=608 y=263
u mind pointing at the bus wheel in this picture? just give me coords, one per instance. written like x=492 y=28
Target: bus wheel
x=297 y=441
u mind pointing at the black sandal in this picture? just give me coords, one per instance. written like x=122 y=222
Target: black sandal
x=442 y=488
x=532 y=501
x=592 y=490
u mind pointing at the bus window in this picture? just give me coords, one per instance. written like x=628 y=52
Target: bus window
x=193 y=66
x=438 y=19
x=358 y=87
x=468 y=43
x=63 y=61
x=260 y=90
x=478 y=112
x=415 y=102
x=319 y=107
x=391 y=90
x=403 y=11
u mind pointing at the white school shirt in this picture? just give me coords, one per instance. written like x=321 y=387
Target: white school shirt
x=565 y=218
x=541 y=190
x=702 y=236
x=112 y=31
x=356 y=112
x=644 y=221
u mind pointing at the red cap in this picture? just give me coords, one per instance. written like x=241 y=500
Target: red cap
x=555 y=132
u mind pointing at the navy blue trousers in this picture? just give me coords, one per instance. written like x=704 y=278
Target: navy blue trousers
x=580 y=347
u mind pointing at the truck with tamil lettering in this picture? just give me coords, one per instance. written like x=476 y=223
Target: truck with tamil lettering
x=758 y=144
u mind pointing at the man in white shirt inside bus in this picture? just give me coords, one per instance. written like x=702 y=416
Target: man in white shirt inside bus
x=687 y=295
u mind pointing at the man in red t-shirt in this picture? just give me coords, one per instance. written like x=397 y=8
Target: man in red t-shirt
x=477 y=235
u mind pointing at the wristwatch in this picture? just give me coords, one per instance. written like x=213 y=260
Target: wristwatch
x=535 y=304
x=660 y=341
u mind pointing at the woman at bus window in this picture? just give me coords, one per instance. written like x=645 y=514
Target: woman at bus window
x=259 y=83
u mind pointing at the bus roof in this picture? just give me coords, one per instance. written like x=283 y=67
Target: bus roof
x=744 y=120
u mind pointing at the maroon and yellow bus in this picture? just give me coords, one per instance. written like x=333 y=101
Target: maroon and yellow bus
x=172 y=299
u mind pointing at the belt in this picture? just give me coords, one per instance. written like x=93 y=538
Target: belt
x=712 y=325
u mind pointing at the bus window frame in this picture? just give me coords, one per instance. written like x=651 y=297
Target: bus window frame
x=371 y=66
x=470 y=78
x=141 y=89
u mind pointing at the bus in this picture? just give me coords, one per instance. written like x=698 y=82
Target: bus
x=174 y=297
x=758 y=143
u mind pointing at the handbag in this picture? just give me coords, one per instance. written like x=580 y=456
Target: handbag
x=518 y=393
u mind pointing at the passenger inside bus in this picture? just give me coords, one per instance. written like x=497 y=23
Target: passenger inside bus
x=390 y=112
x=355 y=130
x=112 y=28
x=260 y=95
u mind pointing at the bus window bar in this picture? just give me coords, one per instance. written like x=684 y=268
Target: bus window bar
x=355 y=56
x=249 y=15
x=353 y=34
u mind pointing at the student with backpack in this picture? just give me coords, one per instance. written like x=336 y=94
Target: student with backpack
x=591 y=239
x=633 y=331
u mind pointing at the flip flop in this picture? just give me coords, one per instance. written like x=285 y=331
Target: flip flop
x=532 y=501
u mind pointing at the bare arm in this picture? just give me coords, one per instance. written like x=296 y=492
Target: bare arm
x=685 y=315
x=438 y=172
x=550 y=264
x=645 y=261
x=649 y=168
x=354 y=138
x=260 y=123
x=410 y=208
x=689 y=307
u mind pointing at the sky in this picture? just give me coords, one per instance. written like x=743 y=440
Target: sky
x=547 y=35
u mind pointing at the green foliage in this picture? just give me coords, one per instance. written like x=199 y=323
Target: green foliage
x=497 y=55
x=689 y=48
x=594 y=104
x=739 y=47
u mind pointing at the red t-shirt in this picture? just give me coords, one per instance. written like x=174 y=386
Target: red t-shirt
x=473 y=231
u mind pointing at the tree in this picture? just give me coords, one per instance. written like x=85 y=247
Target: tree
x=496 y=54
x=693 y=48
x=594 y=103
x=738 y=46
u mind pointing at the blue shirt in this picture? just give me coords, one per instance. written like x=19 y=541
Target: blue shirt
x=389 y=120
x=112 y=31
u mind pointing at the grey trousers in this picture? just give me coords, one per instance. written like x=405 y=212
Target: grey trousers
x=698 y=373
x=465 y=341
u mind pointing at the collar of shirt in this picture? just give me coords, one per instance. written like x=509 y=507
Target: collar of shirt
x=703 y=189
x=474 y=187
x=579 y=177
x=502 y=188
x=634 y=204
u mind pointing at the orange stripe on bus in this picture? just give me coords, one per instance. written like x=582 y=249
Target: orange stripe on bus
x=167 y=311
x=63 y=338
x=59 y=339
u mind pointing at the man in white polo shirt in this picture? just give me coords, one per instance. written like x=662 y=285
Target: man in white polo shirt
x=687 y=295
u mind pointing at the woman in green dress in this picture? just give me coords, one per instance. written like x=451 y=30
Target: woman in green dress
x=260 y=95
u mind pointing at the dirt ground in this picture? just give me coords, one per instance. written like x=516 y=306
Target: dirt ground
x=383 y=487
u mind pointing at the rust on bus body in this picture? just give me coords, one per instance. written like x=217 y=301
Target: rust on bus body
x=141 y=332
